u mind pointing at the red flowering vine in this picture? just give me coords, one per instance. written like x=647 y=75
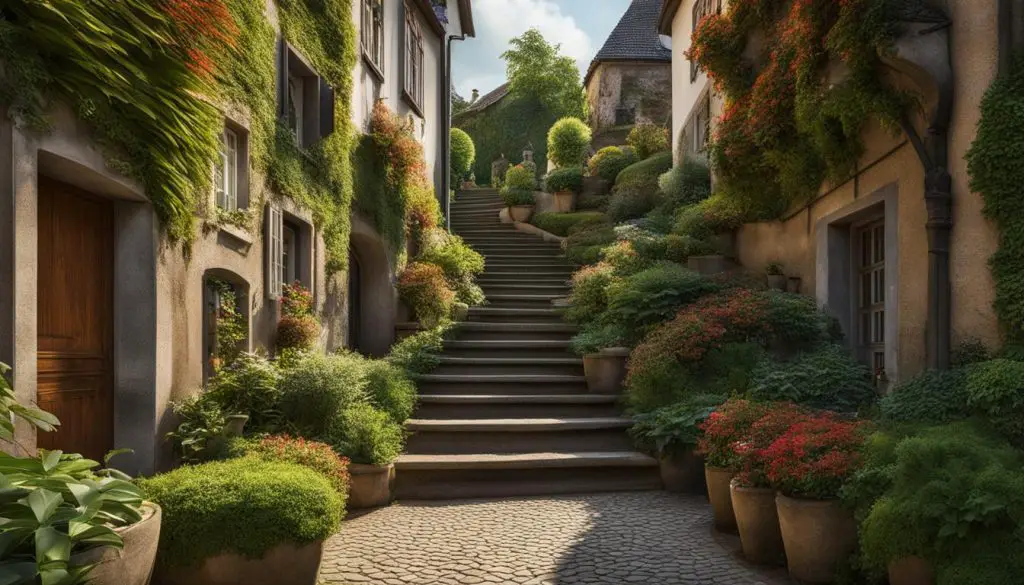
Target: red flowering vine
x=205 y=29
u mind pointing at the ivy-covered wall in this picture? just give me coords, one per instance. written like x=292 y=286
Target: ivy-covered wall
x=506 y=128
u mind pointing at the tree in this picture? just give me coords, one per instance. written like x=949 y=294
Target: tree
x=463 y=154
x=535 y=68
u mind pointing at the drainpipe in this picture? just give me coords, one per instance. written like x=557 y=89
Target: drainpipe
x=446 y=129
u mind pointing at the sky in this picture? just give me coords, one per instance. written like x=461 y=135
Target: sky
x=581 y=26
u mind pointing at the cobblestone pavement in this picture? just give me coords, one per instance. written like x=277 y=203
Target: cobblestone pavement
x=651 y=538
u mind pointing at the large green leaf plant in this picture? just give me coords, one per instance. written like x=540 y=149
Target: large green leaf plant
x=55 y=505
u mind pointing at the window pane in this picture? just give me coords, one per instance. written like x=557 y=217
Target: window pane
x=879 y=237
x=878 y=327
x=865 y=328
x=865 y=248
x=878 y=294
x=865 y=290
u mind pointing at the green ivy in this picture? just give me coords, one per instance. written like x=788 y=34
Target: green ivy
x=996 y=166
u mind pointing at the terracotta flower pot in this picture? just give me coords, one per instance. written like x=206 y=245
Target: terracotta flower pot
x=605 y=371
x=132 y=565
x=565 y=201
x=721 y=499
x=777 y=282
x=757 y=519
x=818 y=535
x=284 y=564
x=682 y=473
x=911 y=571
x=521 y=213
x=371 y=486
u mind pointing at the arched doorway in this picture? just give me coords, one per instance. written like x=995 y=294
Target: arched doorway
x=372 y=301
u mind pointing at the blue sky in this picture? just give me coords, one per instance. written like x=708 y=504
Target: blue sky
x=581 y=26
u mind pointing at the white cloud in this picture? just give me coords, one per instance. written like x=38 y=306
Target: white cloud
x=498 y=21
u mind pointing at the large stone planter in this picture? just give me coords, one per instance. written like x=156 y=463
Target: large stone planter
x=757 y=519
x=371 y=486
x=817 y=534
x=683 y=473
x=605 y=371
x=285 y=564
x=911 y=571
x=565 y=201
x=718 y=480
x=132 y=565
x=521 y=213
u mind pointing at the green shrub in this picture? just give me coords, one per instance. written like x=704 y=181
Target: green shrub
x=418 y=354
x=714 y=215
x=971 y=351
x=297 y=332
x=828 y=378
x=560 y=223
x=460 y=264
x=597 y=335
x=653 y=296
x=608 y=162
x=796 y=322
x=564 y=179
x=728 y=369
x=463 y=154
x=587 y=241
x=568 y=142
x=674 y=429
x=584 y=255
x=244 y=506
x=319 y=457
x=680 y=248
x=512 y=197
x=647 y=171
x=632 y=202
x=996 y=390
x=390 y=390
x=318 y=387
x=520 y=177
x=933 y=397
x=425 y=289
x=624 y=258
x=200 y=424
x=686 y=184
x=647 y=139
x=366 y=435
x=250 y=385
x=589 y=297
x=591 y=201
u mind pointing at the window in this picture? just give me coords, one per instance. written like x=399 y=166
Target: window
x=702 y=125
x=372 y=34
x=701 y=10
x=870 y=261
x=413 y=87
x=289 y=253
x=274 y=252
x=225 y=172
x=305 y=101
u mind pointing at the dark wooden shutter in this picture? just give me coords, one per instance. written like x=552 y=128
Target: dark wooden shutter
x=282 y=79
x=326 y=109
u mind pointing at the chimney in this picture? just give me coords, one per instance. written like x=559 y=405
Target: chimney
x=476 y=96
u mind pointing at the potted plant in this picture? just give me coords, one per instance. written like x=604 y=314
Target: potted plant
x=753 y=498
x=671 y=433
x=808 y=465
x=605 y=371
x=372 y=440
x=776 y=277
x=726 y=426
x=517 y=193
x=70 y=522
x=564 y=184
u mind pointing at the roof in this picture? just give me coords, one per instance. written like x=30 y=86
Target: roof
x=635 y=38
x=466 y=18
x=486 y=101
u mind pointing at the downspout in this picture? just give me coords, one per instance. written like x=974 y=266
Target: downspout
x=446 y=130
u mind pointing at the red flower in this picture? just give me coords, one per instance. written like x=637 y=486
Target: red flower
x=814 y=457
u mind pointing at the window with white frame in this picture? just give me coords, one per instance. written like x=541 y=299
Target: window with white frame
x=870 y=263
x=413 y=85
x=372 y=33
x=701 y=10
x=288 y=251
x=226 y=171
x=274 y=252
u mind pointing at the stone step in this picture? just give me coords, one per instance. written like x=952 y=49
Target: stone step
x=507 y=348
x=519 y=435
x=512 y=366
x=476 y=331
x=487 y=406
x=559 y=290
x=526 y=272
x=553 y=257
x=449 y=485
x=511 y=312
x=520 y=280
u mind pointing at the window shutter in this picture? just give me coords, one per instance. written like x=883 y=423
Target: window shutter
x=326 y=109
x=274 y=250
x=282 y=79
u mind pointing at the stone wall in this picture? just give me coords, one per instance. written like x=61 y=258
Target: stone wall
x=645 y=88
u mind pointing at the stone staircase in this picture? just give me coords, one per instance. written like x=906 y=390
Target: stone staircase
x=507 y=412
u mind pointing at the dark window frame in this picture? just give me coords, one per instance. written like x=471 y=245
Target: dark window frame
x=413 y=56
x=371 y=36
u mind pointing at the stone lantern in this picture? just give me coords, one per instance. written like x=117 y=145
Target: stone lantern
x=528 y=152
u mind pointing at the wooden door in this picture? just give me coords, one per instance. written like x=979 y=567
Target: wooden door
x=75 y=318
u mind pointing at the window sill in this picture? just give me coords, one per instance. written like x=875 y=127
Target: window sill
x=373 y=67
x=237 y=233
x=408 y=99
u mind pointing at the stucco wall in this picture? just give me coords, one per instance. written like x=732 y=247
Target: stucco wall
x=685 y=94
x=646 y=87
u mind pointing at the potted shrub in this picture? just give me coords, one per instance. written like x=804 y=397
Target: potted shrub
x=605 y=370
x=568 y=142
x=671 y=433
x=66 y=520
x=372 y=440
x=776 y=277
x=726 y=426
x=808 y=465
x=753 y=498
x=245 y=520
x=564 y=184
x=517 y=192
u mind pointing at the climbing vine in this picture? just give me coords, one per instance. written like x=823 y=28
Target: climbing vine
x=996 y=166
x=145 y=77
x=796 y=107
x=229 y=323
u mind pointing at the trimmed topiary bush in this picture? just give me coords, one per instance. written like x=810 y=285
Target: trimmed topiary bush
x=636 y=189
x=608 y=162
x=647 y=171
x=996 y=390
x=244 y=506
x=390 y=390
x=933 y=397
x=647 y=139
x=463 y=154
x=513 y=197
x=827 y=379
x=520 y=177
x=316 y=388
x=564 y=179
x=319 y=457
x=568 y=142
x=561 y=223
x=366 y=435
x=425 y=290
x=686 y=184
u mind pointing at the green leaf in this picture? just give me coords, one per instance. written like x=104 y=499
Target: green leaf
x=52 y=546
x=43 y=504
x=50 y=459
x=17 y=573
